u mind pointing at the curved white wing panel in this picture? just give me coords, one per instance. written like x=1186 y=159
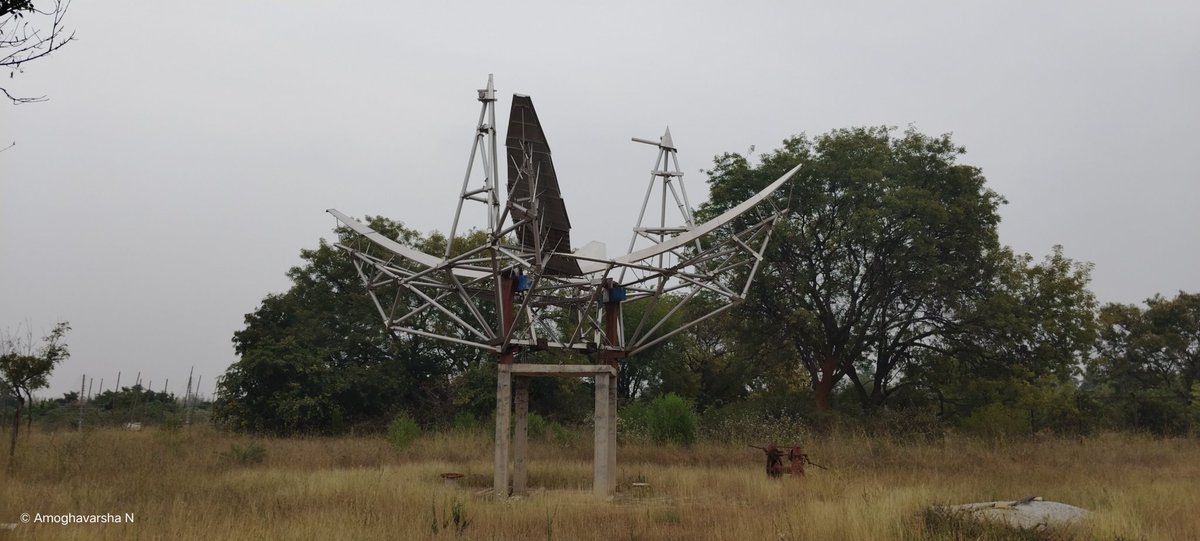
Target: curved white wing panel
x=401 y=250
x=427 y=260
x=707 y=227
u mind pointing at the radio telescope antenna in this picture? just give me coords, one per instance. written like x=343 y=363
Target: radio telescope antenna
x=526 y=289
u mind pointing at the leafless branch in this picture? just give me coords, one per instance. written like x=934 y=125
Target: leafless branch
x=19 y=100
x=30 y=35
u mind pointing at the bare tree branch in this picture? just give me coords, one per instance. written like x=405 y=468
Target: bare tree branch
x=28 y=32
x=19 y=100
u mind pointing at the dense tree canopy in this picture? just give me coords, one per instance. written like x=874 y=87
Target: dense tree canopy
x=317 y=358
x=1147 y=363
x=884 y=285
x=701 y=363
x=886 y=239
x=1019 y=346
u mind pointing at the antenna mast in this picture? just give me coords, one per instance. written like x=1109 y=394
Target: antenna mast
x=667 y=177
x=483 y=146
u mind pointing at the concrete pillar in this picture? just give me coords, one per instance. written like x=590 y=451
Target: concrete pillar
x=504 y=397
x=612 y=435
x=601 y=471
x=521 y=434
x=612 y=330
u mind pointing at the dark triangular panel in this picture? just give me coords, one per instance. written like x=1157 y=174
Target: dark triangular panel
x=529 y=165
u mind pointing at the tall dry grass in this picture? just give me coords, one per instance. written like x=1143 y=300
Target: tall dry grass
x=201 y=484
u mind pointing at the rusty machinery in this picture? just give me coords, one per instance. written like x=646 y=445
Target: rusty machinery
x=797 y=460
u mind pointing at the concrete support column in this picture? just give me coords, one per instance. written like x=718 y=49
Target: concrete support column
x=521 y=434
x=612 y=435
x=504 y=398
x=601 y=470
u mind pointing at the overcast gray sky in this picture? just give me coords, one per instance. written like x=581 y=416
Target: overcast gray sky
x=189 y=149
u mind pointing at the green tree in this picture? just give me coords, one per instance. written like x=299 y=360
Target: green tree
x=26 y=367
x=1020 y=343
x=702 y=364
x=885 y=238
x=671 y=419
x=129 y=397
x=318 y=358
x=1036 y=318
x=1149 y=360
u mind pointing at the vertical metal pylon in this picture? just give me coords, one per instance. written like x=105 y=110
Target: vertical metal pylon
x=665 y=178
x=483 y=146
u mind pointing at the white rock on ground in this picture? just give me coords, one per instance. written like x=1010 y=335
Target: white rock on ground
x=1028 y=513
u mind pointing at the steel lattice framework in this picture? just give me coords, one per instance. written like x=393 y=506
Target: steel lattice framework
x=525 y=289
x=559 y=296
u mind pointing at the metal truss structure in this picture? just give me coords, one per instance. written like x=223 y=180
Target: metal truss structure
x=523 y=288
x=560 y=298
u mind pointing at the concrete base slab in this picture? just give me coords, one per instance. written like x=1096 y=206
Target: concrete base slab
x=1023 y=513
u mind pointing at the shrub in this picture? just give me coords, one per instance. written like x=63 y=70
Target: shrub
x=1194 y=410
x=564 y=437
x=537 y=425
x=171 y=424
x=251 y=453
x=1157 y=411
x=631 y=422
x=402 y=431
x=997 y=421
x=734 y=425
x=670 y=419
x=463 y=421
x=904 y=424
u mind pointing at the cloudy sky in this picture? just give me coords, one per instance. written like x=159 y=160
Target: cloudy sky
x=189 y=149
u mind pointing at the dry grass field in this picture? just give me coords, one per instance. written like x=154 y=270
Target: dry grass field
x=201 y=484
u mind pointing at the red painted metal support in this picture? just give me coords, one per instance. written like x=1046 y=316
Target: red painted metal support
x=508 y=281
x=612 y=328
x=797 y=458
x=504 y=396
